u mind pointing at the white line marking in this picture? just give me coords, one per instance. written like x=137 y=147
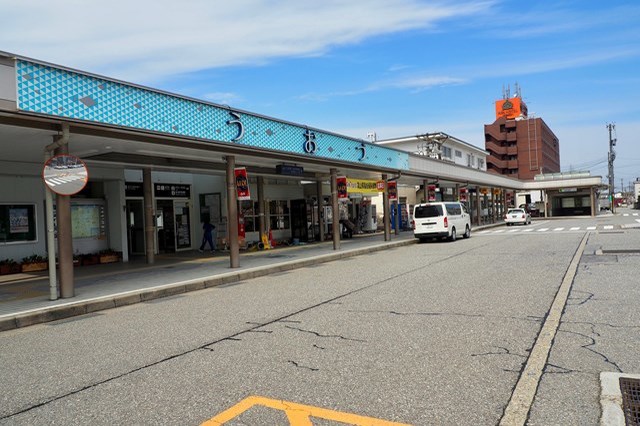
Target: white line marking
x=591 y=228
x=625 y=214
x=522 y=397
x=635 y=214
x=608 y=227
x=513 y=230
x=558 y=229
x=638 y=220
x=483 y=232
x=543 y=229
x=527 y=230
x=497 y=232
x=575 y=228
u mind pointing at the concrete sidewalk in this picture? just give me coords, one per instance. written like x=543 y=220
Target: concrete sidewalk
x=25 y=300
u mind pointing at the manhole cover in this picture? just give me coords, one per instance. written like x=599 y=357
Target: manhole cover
x=630 y=389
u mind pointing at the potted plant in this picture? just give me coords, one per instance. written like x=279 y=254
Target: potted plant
x=89 y=259
x=34 y=263
x=109 y=256
x=7 y=266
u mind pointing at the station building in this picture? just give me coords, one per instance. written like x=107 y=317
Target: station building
x=160 y=164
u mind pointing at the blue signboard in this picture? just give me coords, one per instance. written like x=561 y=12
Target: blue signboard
x=48 y=90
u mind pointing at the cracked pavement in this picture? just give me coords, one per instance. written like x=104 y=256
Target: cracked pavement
x=434 y=333
x=599 y=332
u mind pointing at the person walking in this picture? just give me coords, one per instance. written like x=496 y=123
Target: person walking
x=207 y=236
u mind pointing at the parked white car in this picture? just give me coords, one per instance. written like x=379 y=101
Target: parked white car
x=441 y=220
x=515 y=216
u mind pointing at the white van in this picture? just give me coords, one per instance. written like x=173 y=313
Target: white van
x=441 y=220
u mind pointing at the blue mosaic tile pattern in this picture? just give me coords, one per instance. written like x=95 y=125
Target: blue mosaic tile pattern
x=48 y=90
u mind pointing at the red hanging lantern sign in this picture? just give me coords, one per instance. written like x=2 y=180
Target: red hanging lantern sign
x=431 y=193
x=392 y=188
x=341 y=182
x=463 y=195
x=242 y=183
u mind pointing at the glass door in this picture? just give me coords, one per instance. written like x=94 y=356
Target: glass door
x=135 y=226
x=183 y=225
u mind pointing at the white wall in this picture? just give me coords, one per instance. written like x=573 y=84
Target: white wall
x=24 y=190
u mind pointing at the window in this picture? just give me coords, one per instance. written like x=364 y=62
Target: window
x=17 y=223
x=458 y=154
x=453 y=209
x=480 y=163
x=428 y=211
x=446 y=152
x=279 y=214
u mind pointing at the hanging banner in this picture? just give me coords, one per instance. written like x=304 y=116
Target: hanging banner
x=242 y=183
x=342 y=188
x=463 y=195
x=392 y=187
x=361 y=186
x=431 y=192
x=380 y=185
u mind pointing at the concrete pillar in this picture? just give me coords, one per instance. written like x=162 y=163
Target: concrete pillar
x=385 y=210
x=545 y=198
x=335 y=211
x=396 y=222
x=232 y=214
x=592 y=195
x=425 y=191
x=478 y=206
x=149 y=218
x=262 y=222
x=456 y=196
x=65 y=239
x=320 y=210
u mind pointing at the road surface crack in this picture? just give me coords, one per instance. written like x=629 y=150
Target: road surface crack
x=334 y=336
x=592 y=342
x=303 y=366
x=503 y=351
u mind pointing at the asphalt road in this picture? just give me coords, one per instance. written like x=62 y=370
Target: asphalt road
x=434 y=333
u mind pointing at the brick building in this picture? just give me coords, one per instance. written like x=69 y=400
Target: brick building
x=520 y=146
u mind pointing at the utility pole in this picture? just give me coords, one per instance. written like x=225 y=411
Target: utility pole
x=612 y=157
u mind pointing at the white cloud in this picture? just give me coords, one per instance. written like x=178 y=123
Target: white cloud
x=222 y=98
x=150 y=39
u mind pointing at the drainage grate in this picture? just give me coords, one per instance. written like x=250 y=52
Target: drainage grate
x=630 y=389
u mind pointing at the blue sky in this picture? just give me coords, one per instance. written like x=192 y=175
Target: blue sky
x=395 y=67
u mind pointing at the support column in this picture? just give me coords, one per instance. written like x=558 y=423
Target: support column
x=425 y=192
x=262 y=223
x=456 y=196
x=320 y=210
x=65 y=239
x=494 y=206
x=593 y=201
x=335 y=211
x=232 y=214
x=504 y=203
x=385 y=210
x=478 y=206
x=149 y=219
x=545 y=198
x=396 y=221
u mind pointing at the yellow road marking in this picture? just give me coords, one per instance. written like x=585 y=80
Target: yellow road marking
x=298 y=414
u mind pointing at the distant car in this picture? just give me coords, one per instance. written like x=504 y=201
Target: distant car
x=515 y=216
